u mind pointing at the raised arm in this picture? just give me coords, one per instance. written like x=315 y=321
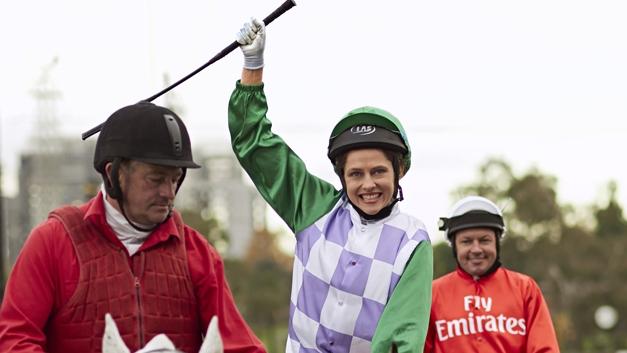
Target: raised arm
x=281 y=177
x=252 y=77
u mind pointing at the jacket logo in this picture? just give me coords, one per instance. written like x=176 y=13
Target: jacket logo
x=363 y=129
x=478 y=319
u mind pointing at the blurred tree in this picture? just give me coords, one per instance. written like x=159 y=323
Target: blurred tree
x=494 y=182
x=260 y=282
x=207 y=226
x=610 y=220
x=443 y=261
x=535 y=197
x=261 y=286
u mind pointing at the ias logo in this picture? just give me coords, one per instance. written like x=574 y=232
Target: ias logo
x=363 y=129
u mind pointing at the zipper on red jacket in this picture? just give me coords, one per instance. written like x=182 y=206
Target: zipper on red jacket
x=137 y=284
x=140 y=318
x=142 y=262
x=140 y=321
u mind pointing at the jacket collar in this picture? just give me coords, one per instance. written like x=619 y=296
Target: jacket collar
x=95 y=213
x=491 y=271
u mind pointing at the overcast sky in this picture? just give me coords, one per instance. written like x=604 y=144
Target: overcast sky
x=538 y=83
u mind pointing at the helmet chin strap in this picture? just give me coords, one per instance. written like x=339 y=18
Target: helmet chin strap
x=136 y=227
x=384 y=212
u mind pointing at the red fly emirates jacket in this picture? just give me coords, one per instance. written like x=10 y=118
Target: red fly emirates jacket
x=503 y=312
x=73 y=269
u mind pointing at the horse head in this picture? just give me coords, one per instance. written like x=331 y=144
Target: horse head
x=112 y=341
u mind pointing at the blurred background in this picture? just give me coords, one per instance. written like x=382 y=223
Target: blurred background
x=522 y=102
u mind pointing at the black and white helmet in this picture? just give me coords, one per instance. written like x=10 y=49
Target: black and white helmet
x=145 y=132
x=473 y=212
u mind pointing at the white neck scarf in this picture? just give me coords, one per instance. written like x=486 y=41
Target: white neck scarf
x=130 y=237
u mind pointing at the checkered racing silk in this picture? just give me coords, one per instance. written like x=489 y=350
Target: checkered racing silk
x=345 y=270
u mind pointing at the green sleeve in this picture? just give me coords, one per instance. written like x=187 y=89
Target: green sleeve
x=281 y=177
x=405 y=319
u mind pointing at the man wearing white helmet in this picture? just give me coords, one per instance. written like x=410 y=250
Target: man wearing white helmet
x=363 y=269
x=481 y=306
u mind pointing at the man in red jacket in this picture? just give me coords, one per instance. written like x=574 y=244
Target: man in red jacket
x=481 y=306
x=125 y=252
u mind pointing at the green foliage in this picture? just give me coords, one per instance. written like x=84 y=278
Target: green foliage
x=443 y=261
x=209 y=227
x=261 y=285
x=578 y=267
x=261 y=291
x=610 y=221
x=535 y=195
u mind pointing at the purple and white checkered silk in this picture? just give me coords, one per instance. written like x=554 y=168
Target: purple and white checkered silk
x=344 y=273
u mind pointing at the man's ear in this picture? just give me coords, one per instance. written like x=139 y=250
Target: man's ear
x=121 y=170
x=113 y=172
x=108 y=167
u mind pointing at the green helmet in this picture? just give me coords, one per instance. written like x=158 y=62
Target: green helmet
x=358 y=129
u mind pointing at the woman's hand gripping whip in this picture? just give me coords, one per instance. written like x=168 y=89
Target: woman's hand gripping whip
x=288 y=4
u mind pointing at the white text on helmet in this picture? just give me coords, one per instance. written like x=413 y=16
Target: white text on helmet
x=363 y=129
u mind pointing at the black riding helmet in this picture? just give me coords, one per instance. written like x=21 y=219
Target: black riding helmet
x=144 y=132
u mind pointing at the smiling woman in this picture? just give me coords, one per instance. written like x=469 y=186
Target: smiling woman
x=369 y=180
x=363 y=268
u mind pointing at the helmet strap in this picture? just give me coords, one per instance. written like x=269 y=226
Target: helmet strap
x=397 y=186
x=136 y=227
x=495 y=266
x=115 y=180
x=111 y=183
x=384 y=212
x=178 y=186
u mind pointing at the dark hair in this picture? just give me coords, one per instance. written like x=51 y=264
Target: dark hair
x=395 y=157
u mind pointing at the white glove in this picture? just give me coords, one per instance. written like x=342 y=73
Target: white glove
x=252 y=39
